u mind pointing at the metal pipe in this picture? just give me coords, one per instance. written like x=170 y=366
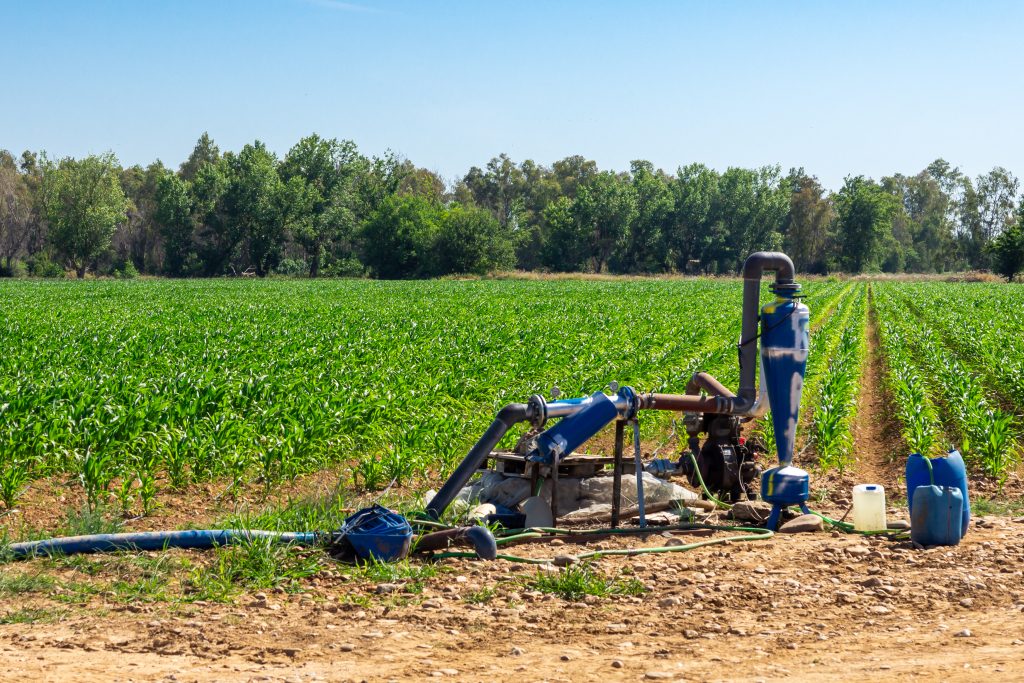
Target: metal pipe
x=753 y=268
x=508 y=416
x=639 y=472
x=620 y=429
x=571 y=406
x=684 y=403
x=760 y=407
x=702 y=380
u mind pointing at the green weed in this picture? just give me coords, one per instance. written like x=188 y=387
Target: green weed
x=17 y=584
x=32 y=616
x=92 y=519
x=412 y=575
x=577 y=581
x=254 y=563
x=480 y=597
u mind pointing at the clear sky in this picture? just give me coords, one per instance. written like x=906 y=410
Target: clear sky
x=861 y=87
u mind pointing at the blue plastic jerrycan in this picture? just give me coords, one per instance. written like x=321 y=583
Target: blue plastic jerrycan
x=936 y=515
x=947 y=471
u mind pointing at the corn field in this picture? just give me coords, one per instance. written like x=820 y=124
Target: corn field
x=132 y=388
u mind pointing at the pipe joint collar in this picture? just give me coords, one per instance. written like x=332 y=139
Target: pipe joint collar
x=537 y=407
x=632 y=399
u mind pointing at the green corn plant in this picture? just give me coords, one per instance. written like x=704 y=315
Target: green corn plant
x=95 y=476
x=998 y=450
x=15 y=473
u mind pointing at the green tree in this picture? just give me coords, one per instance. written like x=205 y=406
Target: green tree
x=471 y=240
x=863 y=212
x=572 y=172
x=383 y=179
x=83 y=203
x=643 y=250
x=500 y=188
x=566 y=242
x=138 y=238
x=995 y=195
x=605 y=207
x=215 y=237
x=694 y=232
x=399 y=235
x=807 y=230
x=325 y=205
x=205 y=152
x=1007 y=250
x=173 y=216
x=753 y=205
x=257 y=206
x=15 y=214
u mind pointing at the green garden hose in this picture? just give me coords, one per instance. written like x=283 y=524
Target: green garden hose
x=703 y=487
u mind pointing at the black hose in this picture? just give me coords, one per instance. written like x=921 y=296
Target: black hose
x=477 y=457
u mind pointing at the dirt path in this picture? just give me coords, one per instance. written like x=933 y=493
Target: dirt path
x=878 y=448
x=877 y=445
x=807 y=607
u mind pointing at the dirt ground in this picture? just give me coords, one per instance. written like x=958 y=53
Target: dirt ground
x=807 y=607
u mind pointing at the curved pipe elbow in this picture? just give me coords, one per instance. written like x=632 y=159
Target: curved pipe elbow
x=761 y=261
x=513 y=413
x=702 y=380
x=741 y=406
x=760 y=407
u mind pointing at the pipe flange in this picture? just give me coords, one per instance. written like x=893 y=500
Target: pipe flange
x=786 y=289
x=632 y=402
x=538 y=408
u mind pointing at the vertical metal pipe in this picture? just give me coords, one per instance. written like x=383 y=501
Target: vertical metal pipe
x=620 y=437
x=554 y=492
x=753 y=269
x=639 y=472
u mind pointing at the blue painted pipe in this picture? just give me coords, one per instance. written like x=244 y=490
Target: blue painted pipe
x=154 y=540
x=562 y=439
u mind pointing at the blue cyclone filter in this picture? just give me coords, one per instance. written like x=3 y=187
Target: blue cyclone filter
x=785 y=343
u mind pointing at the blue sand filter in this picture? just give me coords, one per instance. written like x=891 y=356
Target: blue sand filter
x=944 y=472
x=784 y=346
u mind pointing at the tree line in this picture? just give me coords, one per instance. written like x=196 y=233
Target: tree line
x=325 y=209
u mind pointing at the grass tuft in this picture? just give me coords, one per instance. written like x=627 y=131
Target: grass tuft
x=255 y=563
x=577 y=581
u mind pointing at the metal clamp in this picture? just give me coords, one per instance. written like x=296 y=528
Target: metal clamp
x=538 y=409
x=632 y=400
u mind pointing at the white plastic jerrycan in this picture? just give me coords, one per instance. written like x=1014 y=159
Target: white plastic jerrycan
x=869 y=507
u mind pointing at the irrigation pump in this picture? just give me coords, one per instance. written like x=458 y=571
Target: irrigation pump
x=724 y=463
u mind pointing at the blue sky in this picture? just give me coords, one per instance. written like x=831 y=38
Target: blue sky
x=859 y=87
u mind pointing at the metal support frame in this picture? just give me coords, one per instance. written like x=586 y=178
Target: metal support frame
x=554 y=493
x=620 y=437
